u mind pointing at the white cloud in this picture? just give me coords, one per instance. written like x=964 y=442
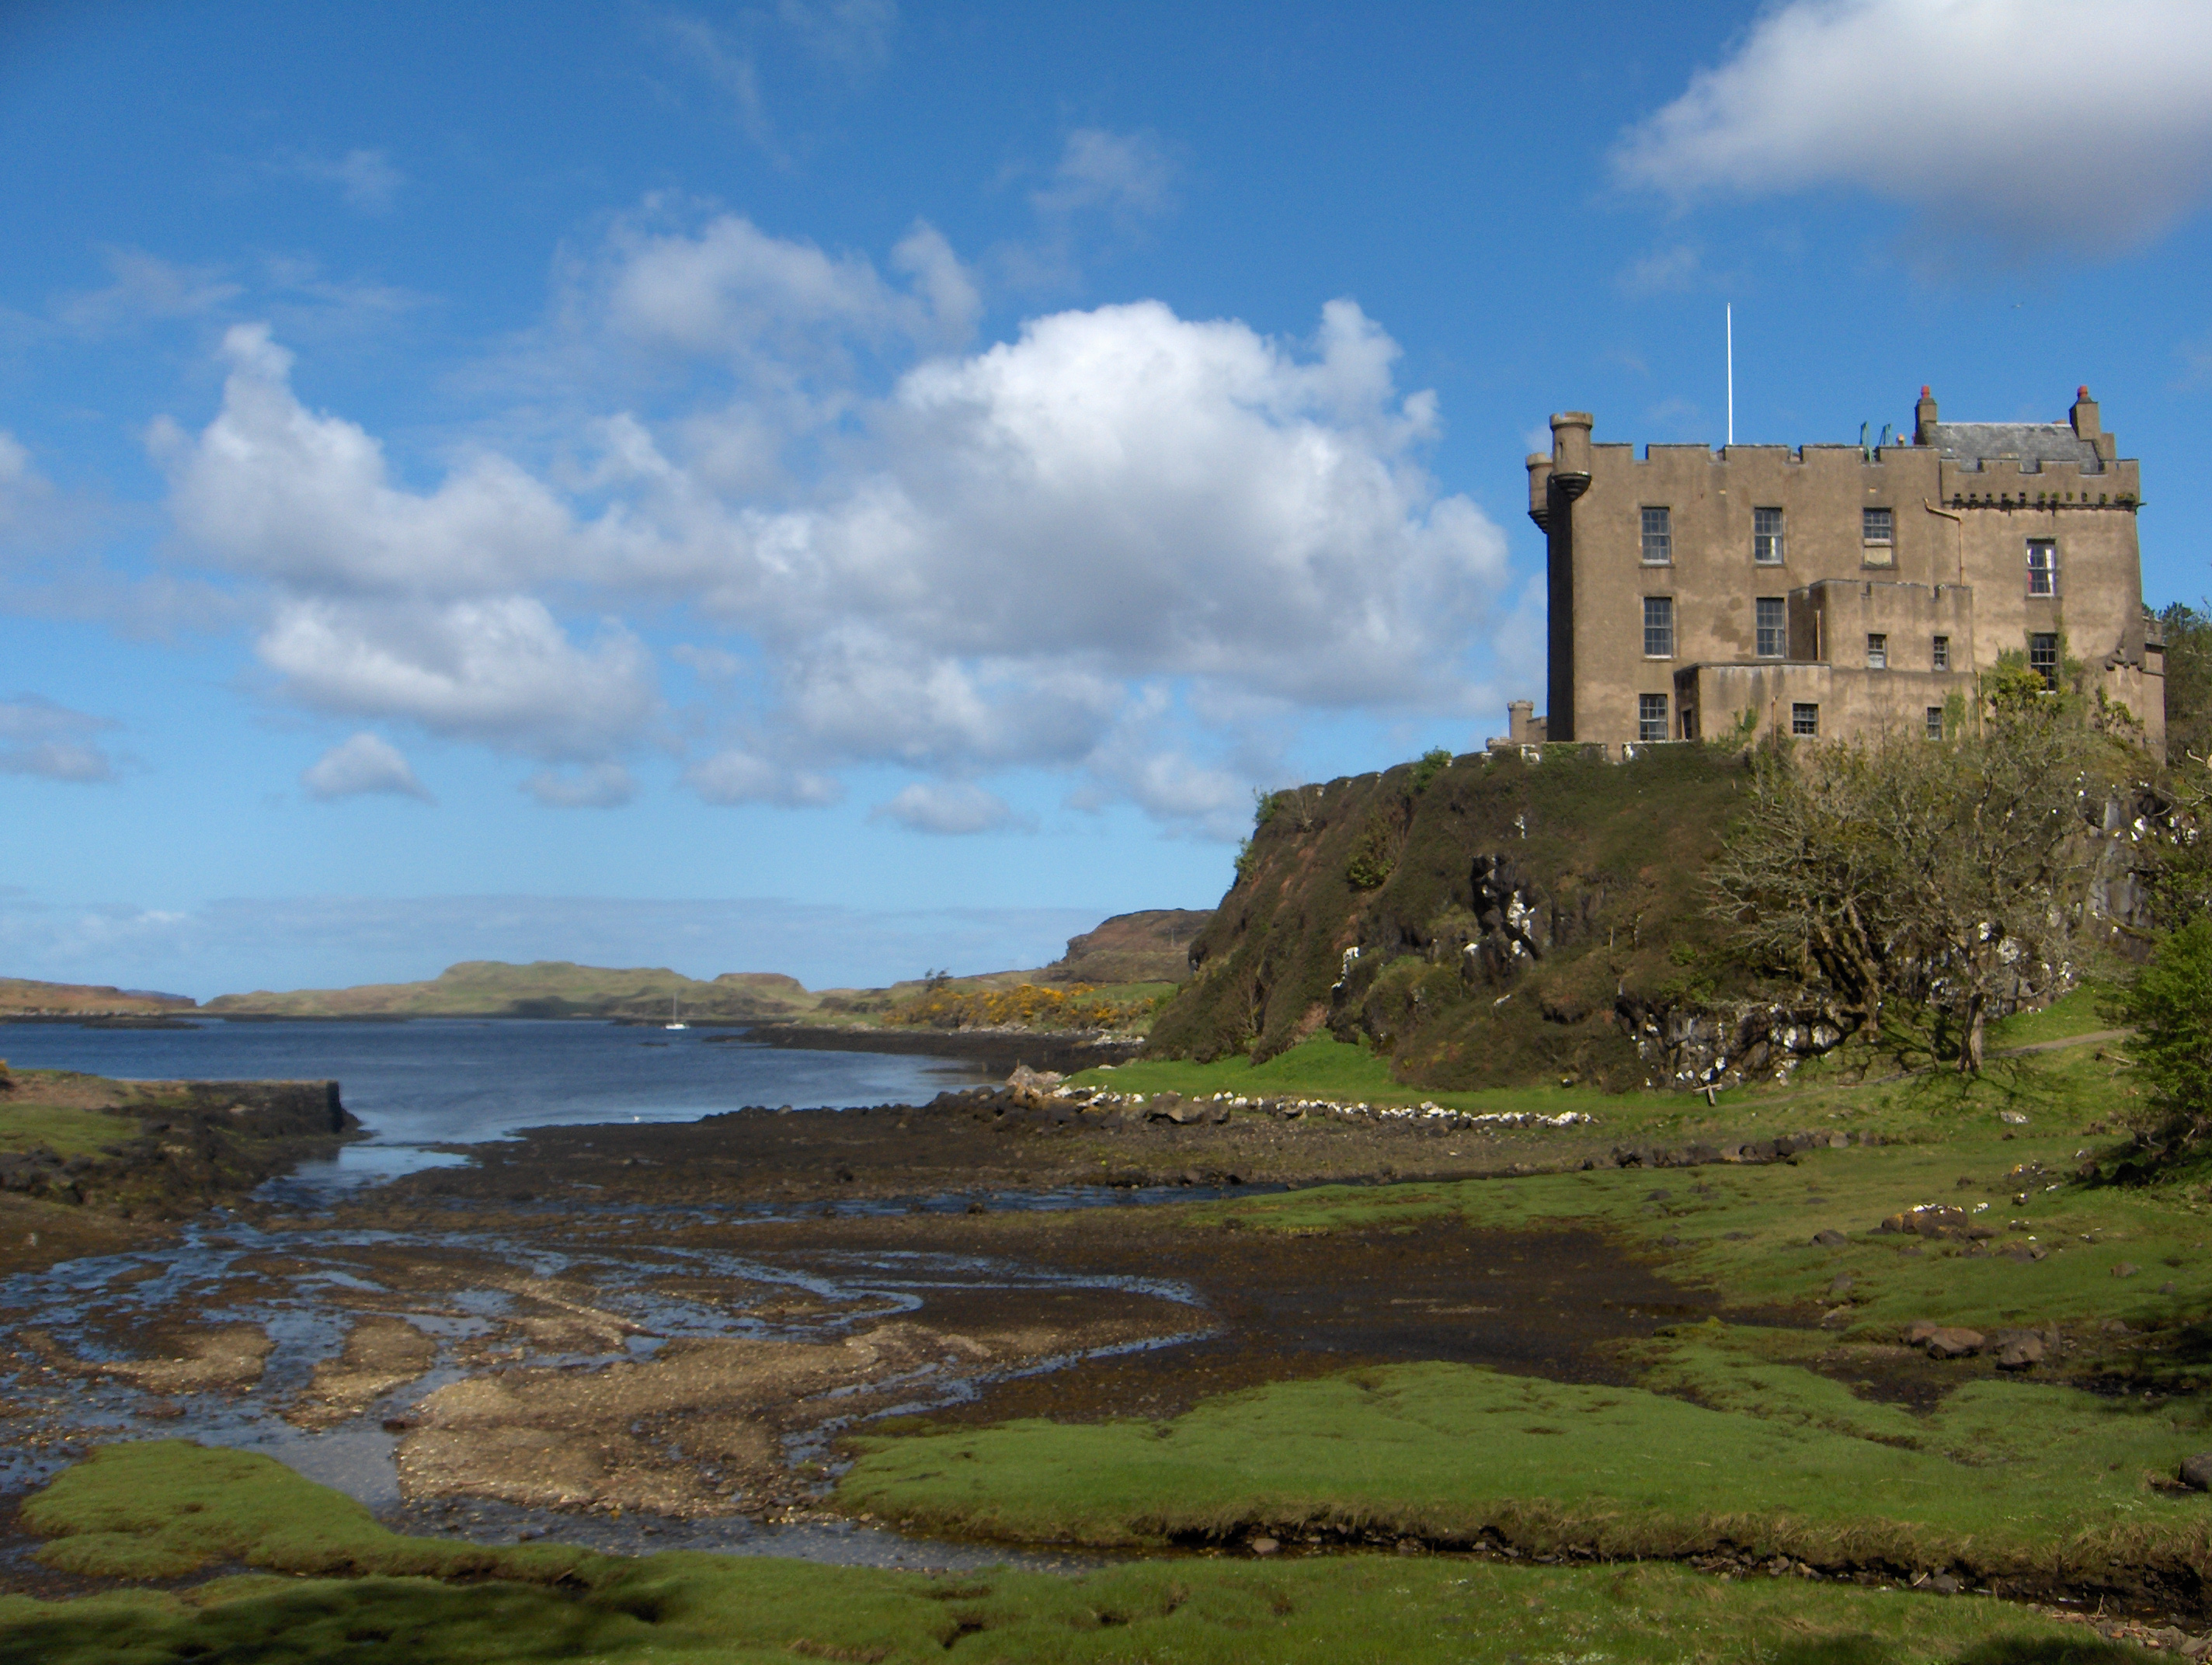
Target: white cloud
x=27 y=497
x=2085 y=123
x=146 y=290
x=732 y=291
x=276 y=490
x=952 y=807
x=40 y=738
x=1015 y=557
x=596 y=786
x=364 y=763
x=501 y=672
x=735 y=775
x=1662 y=270
x=1123 y=174
x=854 y=35
x=365 y=178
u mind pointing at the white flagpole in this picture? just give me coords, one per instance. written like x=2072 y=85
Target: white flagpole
x=1730 y=315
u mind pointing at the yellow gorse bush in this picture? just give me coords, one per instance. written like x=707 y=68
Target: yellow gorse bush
x=1029 y=1006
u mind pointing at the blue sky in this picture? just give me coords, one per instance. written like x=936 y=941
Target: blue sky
x=843 y=487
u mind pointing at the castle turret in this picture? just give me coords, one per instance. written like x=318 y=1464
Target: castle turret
x=1570 y=450
x=1539 y=488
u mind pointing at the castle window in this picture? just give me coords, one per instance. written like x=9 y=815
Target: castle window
x=1773 y=626
x=1658 y=537
x=1805 y=719
x=2042 y=567
x=1766 y=537
x=1935 y=722
x=1940 y=657
x=1877 y=651
x=1659 y=627
x=2042 y=656
x=1877 y=525
x=1650 y=716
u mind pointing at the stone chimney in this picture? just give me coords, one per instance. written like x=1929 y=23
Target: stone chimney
x=1923 y=419
x=2088 y=425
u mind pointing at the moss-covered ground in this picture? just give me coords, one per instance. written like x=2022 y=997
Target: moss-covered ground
x=1803 y=1426
x=324 y=1582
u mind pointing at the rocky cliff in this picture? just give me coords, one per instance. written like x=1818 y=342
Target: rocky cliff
x=1493 y=920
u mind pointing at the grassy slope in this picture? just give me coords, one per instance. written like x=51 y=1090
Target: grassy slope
x=158 y=1510
x=1619 y=848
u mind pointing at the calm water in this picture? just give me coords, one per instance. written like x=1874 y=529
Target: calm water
x=448 y=1081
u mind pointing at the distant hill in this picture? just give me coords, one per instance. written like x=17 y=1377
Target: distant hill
x=546 y=988
x=22 y=997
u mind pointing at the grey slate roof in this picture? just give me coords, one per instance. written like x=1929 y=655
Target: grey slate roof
x=1975 y=442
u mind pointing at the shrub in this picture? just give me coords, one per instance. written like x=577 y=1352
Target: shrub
x=2169 y=1006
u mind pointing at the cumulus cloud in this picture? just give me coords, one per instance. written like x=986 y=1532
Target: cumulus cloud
x=40 y=738
x=500 y=670
x=984 y=560
x=599 y=787
x=2081 y=122
x=952 y=807
x=738 y=777
x=284 y=493
x=731 y=290
x=366 y=763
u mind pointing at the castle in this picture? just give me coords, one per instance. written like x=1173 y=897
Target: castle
x=1835 y=590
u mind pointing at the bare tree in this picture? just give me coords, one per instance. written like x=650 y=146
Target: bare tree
x=1805 y=878
x=1949 y=874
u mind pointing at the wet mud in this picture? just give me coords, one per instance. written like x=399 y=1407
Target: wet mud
x=679 y=1324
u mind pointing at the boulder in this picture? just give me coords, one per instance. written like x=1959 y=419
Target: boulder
x=1930 y=1219
x=1831 y=1239
x=2125 y=1269
x=2197 y=1471
x=1952 y=1341
x=2018 y=1350
x=1035 y=1080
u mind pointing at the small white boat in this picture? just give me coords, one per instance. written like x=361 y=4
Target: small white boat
x=674 y=1022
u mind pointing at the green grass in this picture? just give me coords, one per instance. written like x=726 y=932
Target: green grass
x=67 y=1133
x=2084 y=1012
x=677 y=1608
x=168 y=1508
x=1322 y=1067
x=1744 y=1231
x=2009 y=1479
